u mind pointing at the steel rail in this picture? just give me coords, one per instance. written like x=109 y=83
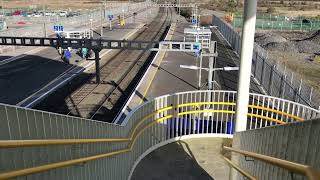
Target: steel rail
x=114 y=57
x=162 y=26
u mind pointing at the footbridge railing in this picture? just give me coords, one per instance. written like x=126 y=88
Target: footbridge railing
x=42 y=145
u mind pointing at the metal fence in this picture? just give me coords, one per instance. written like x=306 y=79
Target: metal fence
x=64 y=147
x=270 y=22
x=47 y=23
x=276 y=79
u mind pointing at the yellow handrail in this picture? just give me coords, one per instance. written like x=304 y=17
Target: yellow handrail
x=134 y=138
x=46 y=142
x=235 y=166
x=29 y=143
x=308 y=171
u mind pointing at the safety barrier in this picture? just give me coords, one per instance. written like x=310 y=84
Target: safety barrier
x=42 y=145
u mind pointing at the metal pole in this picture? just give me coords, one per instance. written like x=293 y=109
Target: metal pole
x=110 y=25
x=248 y=30
x=179 y=8
x=210 y=73
x=2 y=9
x=110 y=20
x=310 y=97
x=91 y=29
x=101 y=22
x=105 y=8
x=97 y=61
x=200 y=72
x=44 y=29
x=44 y=20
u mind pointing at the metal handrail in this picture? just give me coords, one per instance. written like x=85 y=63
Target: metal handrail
x=132 y=139
x=169 y=111
x=306 y=170
x=238 y=168
x=43 y=142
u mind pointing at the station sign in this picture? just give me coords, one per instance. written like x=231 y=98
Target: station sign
x=110 y=17
x=194 y=21
x=58 y=28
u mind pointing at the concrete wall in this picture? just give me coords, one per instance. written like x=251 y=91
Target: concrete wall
x=297 y=142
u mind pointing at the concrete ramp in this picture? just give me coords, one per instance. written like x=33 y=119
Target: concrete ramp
x=192 y=159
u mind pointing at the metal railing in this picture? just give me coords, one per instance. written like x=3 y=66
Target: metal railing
x=275 y=79
x=62 y=146
x=305 y=170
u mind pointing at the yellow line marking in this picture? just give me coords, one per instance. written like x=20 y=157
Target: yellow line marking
x=162 y=56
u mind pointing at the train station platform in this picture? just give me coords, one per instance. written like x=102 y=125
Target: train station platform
x=44 y=67
x=165 y=76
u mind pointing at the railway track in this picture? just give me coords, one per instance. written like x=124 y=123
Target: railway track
x=96 y=101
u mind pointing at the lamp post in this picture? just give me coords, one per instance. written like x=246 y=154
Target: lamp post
x=44 y=20
x=248 y=31
x=91 y=29
x=101 y=22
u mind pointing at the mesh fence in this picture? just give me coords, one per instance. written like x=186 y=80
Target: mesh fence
x=276 y=79
x=269 y=22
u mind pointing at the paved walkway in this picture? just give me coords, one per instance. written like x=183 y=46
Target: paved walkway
x=193 y=159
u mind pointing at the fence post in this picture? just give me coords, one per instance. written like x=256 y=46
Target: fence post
x=262 y=71
x=295 y=94
x=310 y=97
x=299 y=90
x=291 y=81
x=271 y=80
x=256 y=64
x=281 y=89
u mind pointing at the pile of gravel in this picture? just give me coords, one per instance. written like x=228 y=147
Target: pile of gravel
x=264 y=39
x=309 y=44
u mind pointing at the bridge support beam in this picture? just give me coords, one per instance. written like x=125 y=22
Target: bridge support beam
x=247 y=44
x=97 y=62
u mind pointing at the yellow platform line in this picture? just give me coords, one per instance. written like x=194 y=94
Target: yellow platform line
x=161 y=56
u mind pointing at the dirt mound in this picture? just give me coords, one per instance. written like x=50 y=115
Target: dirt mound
x=308 y=43
x=307 y=47
x=264 y=39
x=314 y=37
x=284 y=46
